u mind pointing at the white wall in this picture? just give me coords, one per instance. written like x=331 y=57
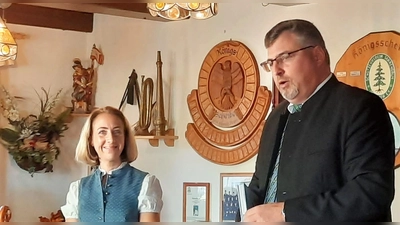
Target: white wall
x=132 y=44
x=44 y=60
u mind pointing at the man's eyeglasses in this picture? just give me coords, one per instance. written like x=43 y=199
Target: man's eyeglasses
x=267 y=65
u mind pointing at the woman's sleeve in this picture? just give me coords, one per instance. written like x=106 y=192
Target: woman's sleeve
x=70 y=209
x=150 y=196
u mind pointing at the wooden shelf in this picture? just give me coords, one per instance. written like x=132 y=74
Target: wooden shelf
x=168 y=138
x=72 y=115
x=80 y=114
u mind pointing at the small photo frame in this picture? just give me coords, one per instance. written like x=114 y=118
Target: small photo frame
x=196 y=202
x=229 y=198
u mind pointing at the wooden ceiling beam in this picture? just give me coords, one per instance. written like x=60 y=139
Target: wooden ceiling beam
x=136 y=7
x=131 y=10
x=49 y=17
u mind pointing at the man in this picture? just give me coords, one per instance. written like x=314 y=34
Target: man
x=333 y=160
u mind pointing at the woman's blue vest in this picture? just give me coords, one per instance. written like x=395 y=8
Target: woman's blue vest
x=115 y=201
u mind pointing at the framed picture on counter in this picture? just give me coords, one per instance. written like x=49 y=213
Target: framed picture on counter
x=229 y=203
x=196 y=202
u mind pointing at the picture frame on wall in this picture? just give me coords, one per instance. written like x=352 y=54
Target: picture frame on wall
x=196 y=202
x=229 y=201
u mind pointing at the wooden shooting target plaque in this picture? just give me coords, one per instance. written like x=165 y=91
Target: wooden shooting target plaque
x=371 y=63
x=229 y=106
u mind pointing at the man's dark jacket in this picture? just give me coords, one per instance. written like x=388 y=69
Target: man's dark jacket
x=336 y=160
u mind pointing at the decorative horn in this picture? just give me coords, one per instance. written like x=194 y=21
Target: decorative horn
x=145 y=107
x=159 y=121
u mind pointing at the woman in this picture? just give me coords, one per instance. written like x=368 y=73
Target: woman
x=115 y=191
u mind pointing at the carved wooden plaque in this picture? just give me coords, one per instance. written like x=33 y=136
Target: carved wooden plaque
x=229 y=107
x=371 y=63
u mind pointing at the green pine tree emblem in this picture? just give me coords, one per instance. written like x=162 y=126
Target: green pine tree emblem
x=379 y=78
x=382 y=80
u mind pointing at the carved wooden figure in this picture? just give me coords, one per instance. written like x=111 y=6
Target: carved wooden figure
x=5 y=214
x=84 y=83
x=54 y=217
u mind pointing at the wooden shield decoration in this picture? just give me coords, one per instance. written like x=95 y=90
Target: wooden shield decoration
x=371 y=63
x=229 y=107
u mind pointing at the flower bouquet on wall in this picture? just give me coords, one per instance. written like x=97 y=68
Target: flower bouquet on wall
x=32 y=140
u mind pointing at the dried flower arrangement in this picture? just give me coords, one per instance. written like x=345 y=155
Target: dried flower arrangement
x=31 y=140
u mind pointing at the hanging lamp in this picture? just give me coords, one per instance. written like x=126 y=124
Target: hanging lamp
x=181 y=11
x=8 y=46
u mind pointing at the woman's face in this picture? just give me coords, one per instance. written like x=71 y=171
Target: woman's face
x=108 y=137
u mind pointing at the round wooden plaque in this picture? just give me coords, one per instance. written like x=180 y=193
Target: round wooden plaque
x=371 y=64
x=229 y=106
